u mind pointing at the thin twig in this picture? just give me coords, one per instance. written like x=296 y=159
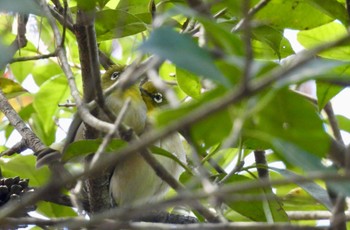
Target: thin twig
x=17 y=148
x=33 y=58
x=112 y=133
x=251 y=12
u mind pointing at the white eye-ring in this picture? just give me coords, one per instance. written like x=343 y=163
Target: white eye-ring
x=115 y=75
x=157 y=97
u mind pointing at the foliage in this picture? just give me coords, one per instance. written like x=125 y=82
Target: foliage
x=237 y=83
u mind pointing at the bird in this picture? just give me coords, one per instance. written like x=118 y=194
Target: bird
x=133 y=181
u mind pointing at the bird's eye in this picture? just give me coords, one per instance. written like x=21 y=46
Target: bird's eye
x=115 y=75
x=157 y=97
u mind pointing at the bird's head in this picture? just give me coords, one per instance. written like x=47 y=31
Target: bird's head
x=112 y=75
x=136 y=114
x=152 y=97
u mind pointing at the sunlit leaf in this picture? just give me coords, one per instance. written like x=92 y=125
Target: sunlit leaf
x=292 y=14
x=328 y=32
x=343 y=122
x=46 y=100
x=332 y=8
x=188 y=82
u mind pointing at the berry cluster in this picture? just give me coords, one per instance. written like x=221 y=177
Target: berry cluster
x=12 y=188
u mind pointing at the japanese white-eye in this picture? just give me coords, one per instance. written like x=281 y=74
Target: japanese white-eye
x=134 y=181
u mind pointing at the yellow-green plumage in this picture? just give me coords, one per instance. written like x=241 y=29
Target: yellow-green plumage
x=134 y=181
x=136 y=114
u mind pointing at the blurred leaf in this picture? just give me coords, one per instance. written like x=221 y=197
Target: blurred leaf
x=309 y=163
x=20 y=6
x=183 y=52
x=24 y=167
x=189 y=83
x=21 y=70
x=133 y=6
x=10 y=88
x=86 y=5
x=299 y=157
x=312 y=188
x=343 y=122
x=163 y=152
x=317 y=68
x=112 y=24
x=293 y=14
x=230 y=42
x=326 y=33
x=52 y=210
x=85 y=147
x=6 y=54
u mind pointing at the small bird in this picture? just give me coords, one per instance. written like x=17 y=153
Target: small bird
x=133 y=181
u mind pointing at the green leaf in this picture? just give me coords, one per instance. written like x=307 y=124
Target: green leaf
x=312 y=188
x=85 y=147
x=309 y=163
x=326 y=33
x=6 y=54
x=274 y=39
x=183 y=52
x=293 y=14
x=343 y=122
x=291 y=117
x=325 y=92
x=254 y=209
x=45 y=70
x=133 y=6
x=299 y=157
x=315 y=69
x=86 y=5
x=188 y=83
x=52 y=210
x=24 y=167
x=213 y=129
x=46 y=100
x=163 y=152
x=10 y=88
x=112 y=24
x=20 y=6
x=332 y=8
x=21 y=69
x=208 y=131
x=222 y=37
